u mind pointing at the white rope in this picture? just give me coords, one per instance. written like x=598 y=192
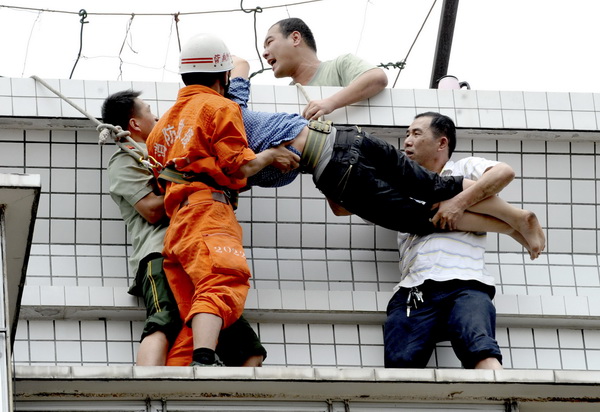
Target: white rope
x=303 y=91
x=306 y=96
x=116 y=133
x=107 y=131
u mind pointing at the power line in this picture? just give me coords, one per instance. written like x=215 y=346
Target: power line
x=29 y=41
x=400 y=65
x=127 y=35
x=155 y=14
x=256 y=10
x=362 y=29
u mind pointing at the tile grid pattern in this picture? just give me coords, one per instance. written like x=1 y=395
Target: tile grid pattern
x=296 y=243
x=298 y=249
x=110 y=342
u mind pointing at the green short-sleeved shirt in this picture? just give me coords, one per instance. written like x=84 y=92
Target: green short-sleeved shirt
x=340 y=71
x=129 y=183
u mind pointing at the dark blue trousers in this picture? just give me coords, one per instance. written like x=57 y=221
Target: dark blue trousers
x=461 y=312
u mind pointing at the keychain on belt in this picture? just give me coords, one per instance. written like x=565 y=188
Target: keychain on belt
x=414 y=296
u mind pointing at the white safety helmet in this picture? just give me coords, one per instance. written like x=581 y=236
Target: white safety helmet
x=205 y=53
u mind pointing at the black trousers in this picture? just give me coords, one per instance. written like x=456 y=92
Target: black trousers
x=372 y=179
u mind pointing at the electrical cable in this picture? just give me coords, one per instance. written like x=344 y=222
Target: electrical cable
x=127 y=33
x=402 y=63
x=29 y=41
x=255 y=10
x=83 y=14
x=158 y=14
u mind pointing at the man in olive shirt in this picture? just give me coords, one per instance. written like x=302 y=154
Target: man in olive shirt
x=291 y=50
x=133 y=189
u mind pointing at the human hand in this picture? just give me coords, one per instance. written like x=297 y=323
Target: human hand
x=241 y=67
x=448 y=214
x=284 y=159
x=317 y=108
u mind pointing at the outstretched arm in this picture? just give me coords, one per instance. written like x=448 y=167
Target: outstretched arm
x=278 y=156
x=363 y=87
x=491 y=183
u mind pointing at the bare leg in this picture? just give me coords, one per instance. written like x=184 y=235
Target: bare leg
x=255 y=360
x=489 y=363
x=153 y=350
x=524 y=221
x=475 y=222
x=206 y=328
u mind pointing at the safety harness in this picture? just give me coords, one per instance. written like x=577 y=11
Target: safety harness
x=315 y=141
x=169 y=173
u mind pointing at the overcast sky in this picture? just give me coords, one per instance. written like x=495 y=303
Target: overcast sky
x=531 y=45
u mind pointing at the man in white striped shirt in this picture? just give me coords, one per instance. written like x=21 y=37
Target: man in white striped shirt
x=446 y=292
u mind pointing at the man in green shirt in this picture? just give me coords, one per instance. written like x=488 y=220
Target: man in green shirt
x=291 y=50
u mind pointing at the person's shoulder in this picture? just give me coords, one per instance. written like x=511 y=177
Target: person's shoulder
x=120 y=158
x=476 y=160
x=455 y=167
x=350 y=66
x=349 y=58
x=470 y=159
x=210 y=102
x=228 y=105
x=343 y=60
x=471 y=167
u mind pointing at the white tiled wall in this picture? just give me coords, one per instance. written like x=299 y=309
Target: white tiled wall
x=104 y=342
x=303 y=257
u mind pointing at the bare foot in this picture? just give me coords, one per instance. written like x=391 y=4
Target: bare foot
x=519 y=238
x=532 y=231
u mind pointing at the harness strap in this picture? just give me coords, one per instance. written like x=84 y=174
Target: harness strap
x=169 y=173
x=315 y=141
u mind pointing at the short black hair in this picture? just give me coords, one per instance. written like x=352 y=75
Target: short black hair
x=119 y=107
x=203 y=78
x=442 y=125
x=288 y=26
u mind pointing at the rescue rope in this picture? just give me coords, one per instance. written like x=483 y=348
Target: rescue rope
x=303 y=91
x=108 y=131
x=305 y=94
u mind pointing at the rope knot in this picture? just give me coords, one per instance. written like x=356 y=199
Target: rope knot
x=108 y=131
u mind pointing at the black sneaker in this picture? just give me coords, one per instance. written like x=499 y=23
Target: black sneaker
x=217 y=362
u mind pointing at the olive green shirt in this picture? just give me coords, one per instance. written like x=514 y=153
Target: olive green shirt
x=340 y=71
x=129 y=183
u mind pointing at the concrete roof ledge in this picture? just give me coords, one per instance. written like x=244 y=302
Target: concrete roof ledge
x=306 y=383
x=19 y=198
x=85 y=302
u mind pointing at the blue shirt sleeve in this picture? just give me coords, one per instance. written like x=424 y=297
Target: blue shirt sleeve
x=265 y=130
x=239 y=91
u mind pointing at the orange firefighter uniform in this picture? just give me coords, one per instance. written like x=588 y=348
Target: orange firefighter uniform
x=203 y=135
